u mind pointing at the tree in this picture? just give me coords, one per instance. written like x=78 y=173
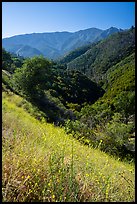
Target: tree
x=6 y=60
x=33 y=77
x=125 y=103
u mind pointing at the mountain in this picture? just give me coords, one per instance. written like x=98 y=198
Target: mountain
x=100 y=113
x=26 y=50
x=56 y=44
x=100 y=56
x=107 y=32
x=73 y=54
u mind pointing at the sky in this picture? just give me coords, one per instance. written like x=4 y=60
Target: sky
x=38 y=17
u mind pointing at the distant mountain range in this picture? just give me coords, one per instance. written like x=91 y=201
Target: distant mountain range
x=56 y=44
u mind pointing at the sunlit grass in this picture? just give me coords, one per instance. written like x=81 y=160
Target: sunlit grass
x=41 y=163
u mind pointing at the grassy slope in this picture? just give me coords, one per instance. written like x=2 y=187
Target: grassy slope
x=42 y=163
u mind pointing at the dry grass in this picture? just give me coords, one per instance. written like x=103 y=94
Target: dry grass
x=41 y=163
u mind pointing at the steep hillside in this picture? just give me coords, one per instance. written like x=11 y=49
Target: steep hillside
x=110 y=121
x=108 y=32
x=65 y=97
x=26 y=51
x=53 y=89
x=120 y=77
x=40 y=163
x=81 y=50
x=56 y=44
x=104 y=54
x=65 y=137
x=73 y=54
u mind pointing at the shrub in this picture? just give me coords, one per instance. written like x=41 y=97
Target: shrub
x=115 y=136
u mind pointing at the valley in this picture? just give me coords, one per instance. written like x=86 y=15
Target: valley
x=68 y=116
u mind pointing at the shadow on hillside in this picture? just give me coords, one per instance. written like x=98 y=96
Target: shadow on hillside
x=54 y=113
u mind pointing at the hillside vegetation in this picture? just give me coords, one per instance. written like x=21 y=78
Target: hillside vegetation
x=69 y=132
x=41 y=163
x=73 y=54
x=110 y=121
x=53 y=89
x=104 y=54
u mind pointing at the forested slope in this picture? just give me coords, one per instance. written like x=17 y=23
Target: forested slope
x=111 y=119
x=68 y=133
x=53 y=89
x=104 y=54
x=68 y=97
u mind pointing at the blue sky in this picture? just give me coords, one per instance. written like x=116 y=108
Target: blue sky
x=37 y=17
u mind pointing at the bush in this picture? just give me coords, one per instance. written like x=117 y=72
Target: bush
x=115 y=136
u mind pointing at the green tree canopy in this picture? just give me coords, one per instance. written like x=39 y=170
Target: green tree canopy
x=32 y=78
x=6 y=60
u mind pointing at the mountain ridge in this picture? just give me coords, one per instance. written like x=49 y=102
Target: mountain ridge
x=55 y=44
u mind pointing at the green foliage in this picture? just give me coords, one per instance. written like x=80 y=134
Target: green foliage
x=40 y=163
x=40 y=74
x=72 y=85
x=109 y=132
x=6 y=78
x=104 y=54
x=6 y=60
x=68 y=97
x=125 y=103
x=52 y=88
x=73 y=54
x=115 y=136
x=98 y=113
x=74 y=107
x=32 y=77
x=120 y=86
x=10 y=62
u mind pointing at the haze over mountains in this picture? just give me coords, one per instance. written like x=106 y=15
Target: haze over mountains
x=56 y=44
